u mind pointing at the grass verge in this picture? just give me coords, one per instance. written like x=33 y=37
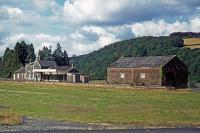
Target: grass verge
x=89 y=104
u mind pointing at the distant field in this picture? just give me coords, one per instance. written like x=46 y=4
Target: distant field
x=100 y=105
x=192 y=43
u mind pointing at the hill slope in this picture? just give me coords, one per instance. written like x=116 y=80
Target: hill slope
x=95 y=63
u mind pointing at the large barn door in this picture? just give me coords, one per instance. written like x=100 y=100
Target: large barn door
x=169 y=79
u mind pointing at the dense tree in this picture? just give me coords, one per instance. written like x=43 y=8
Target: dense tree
x=58 y=50
x=60 y=57
x=24 y=52
x=15 y=58
x=21 y=52
x=45 y=54
x=10 y=63
x=185 y=34
x=1 y=61
x=65 y=59
x=31 y=53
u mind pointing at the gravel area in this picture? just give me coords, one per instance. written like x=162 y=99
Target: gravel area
x=32 y=124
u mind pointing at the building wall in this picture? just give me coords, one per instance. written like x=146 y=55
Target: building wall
x=135 y=76
x=36 y=76
x=84 y=78
x=29 y=72
x=179 y=71
x=19 y=76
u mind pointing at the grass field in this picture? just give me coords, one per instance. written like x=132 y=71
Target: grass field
x=99 y=105
x=192 y=43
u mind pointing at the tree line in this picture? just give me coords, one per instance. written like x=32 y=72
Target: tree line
x=24 y=53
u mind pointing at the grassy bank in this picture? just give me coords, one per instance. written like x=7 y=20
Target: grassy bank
x=100 y=105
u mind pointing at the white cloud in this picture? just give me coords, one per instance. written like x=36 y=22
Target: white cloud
x=121 y=31
x=110 y=34
x=106 y=40
x=104 y=37
x=39 y=40
x=80 y=11
x=92 y=24
x=125 y=11
x=11 y=13
x=41 y=5
x=15 y=13
x=77 y=36
x=81 y=48
x=163 y=28
x=55 y=8
x=89 y=38
x=92 y=10
x=80 y=39
x=195 y=24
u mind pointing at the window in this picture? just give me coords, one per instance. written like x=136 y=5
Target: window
x=122 y=75
x=18 y=75
x=142 y=75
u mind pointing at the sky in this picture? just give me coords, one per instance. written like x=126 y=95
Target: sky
x=82 y=26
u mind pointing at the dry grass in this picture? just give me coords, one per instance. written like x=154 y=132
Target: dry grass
x=192 y=43
x=193 y=46
x=10 y=119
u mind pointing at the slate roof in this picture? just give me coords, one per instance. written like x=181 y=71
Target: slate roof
x=47 y=64
x=21 y=70
x=62 y=68
x=136 y=62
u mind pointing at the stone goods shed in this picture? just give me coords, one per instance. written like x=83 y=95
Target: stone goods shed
x=151 y=70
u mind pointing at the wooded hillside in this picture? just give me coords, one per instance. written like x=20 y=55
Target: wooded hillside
x=95 y=63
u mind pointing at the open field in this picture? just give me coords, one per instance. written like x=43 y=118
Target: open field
x=76 y=103
x=192 y=43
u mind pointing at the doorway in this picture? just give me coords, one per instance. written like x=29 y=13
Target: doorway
x=169 y=79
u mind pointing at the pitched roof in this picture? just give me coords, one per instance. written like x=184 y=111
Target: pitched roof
x=47 y=64
x=21 y=70
x=136 y=62
x=64 y=68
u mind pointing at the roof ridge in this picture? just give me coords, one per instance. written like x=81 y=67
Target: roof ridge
x=145 y=61
x=149 y=56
